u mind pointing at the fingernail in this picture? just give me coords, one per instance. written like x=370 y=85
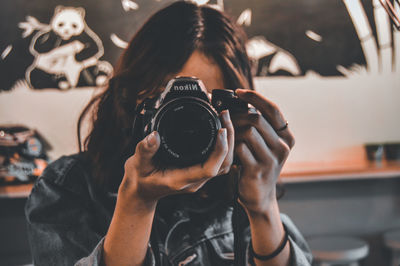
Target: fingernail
x=240 y=90
x=223 y=133
x=152 y=139
x=225 y=115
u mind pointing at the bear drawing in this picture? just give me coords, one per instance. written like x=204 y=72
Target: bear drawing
x=67 y=53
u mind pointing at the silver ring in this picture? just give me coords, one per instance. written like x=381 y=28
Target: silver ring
x=284 y=127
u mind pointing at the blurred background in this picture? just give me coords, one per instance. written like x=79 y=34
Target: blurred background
x=333 y=67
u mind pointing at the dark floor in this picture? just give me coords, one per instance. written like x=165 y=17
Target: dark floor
x=14 y=247
x=363 y=208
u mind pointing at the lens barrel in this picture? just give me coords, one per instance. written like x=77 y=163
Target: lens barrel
x=188 y=128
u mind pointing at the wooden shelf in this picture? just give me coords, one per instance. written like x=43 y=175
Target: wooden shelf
x=330 y=171
x=15 y=191
x=292 y=173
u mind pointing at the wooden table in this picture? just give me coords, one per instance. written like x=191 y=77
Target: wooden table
x=292 y=173
x=329 y=171
x=15 y=191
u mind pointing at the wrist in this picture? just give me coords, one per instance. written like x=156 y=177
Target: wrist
x=130 y=199
x=264 y=207
x=266 y=212
x=136 y=205
x=273 y=254
x=269 y=236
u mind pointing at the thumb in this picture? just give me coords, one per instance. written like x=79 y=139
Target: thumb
x=145 y=151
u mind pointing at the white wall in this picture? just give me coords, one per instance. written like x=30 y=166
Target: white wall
x=333 y=117
x=53 y=113
x=330 y=117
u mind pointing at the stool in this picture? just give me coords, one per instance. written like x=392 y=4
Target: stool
x=392 y=242
x=338 y=250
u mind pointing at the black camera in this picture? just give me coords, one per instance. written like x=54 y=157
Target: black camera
x=187 y=121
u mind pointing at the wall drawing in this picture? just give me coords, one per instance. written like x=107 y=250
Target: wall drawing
x=66 y=52
x=75 y=45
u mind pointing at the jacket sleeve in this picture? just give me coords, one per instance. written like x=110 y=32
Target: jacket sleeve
x=300 y=253
x=95 y=257
x=62 y=228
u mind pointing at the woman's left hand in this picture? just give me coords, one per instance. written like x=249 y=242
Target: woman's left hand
x=262 y=143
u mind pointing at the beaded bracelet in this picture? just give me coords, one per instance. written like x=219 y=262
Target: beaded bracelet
x=273 y=254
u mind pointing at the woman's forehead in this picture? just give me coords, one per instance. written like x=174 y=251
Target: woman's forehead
x=200 y=66
x=204 y=68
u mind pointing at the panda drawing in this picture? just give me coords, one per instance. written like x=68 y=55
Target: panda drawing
x=66 y=52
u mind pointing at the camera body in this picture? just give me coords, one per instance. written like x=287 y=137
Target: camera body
x=187 y=121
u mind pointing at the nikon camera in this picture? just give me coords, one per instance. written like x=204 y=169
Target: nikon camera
x=187 y=121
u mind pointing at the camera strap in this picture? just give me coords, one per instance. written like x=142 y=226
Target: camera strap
x=238 y=244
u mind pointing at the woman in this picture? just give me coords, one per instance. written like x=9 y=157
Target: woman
x=110 y=205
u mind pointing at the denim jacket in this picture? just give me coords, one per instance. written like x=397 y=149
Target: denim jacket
x=68 y=218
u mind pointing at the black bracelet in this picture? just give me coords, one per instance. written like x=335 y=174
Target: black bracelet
x=273 y=254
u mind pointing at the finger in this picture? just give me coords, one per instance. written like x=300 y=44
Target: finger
x=277 y=145
x=193 y=187
x=263 y=127
x=245 y=156
x=287 y=135
x=217 y=157
x=201 y=172
x=145 y=150
x=227 y=123
x=250 y=135
x=267 y=108
x=270 y=111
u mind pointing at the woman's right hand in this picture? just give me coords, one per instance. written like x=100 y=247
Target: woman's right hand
x=144 y=182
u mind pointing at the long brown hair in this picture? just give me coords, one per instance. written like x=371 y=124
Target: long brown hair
x=157 y=51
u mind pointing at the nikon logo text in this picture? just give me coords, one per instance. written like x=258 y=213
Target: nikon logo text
x=187 y=87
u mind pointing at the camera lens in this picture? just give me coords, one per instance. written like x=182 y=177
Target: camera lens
x=188 y=128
